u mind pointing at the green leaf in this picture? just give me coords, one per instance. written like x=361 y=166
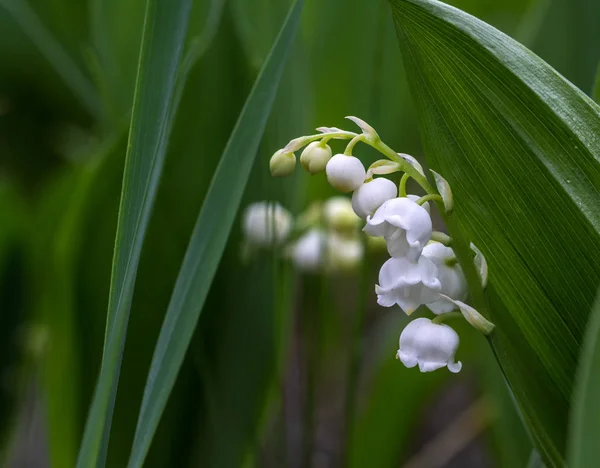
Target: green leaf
x=518 y=144
x=585 y=415
x=208 y=240
x=164 y=35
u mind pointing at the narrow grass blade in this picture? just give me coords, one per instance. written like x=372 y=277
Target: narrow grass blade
x=208 y=240
x=584 y=451
x=518 y=144
x=165 y=29
x=51 y=49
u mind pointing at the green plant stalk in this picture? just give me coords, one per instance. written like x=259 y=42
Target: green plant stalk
x=356 y=353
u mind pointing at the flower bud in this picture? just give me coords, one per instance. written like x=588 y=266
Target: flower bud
x=339 y=215
x=430 y=345
x=315 y=157
x=371 y=195
x=345 y=173
x=266 y=223
x=282 y=163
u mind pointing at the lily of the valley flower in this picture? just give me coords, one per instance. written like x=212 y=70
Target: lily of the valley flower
x=266 y=223
x=345 y=173
x=339 y=215
x=405 y=225
x=408 y=284
x=307 y=252
x=343 y=253
x=450 y=274
x=315 y=157
x=429 y=345
x=318 y=249
x=371 y=195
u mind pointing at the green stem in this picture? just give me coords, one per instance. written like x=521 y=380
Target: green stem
x=404 y=165
x=428 y=197
x=402 y=185
x=356 y=355
x=352 y=144
x=443 y=317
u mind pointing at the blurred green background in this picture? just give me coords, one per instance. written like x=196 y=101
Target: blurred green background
x=265 y=379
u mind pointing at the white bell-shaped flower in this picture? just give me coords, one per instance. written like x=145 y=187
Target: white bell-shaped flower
x=430 y=345
x=408 y=284
x=307 y=253
x=266 y=223
x=345 y=173
x=405 y=225
x=371 y=195
x=339 y=215
x=315 y=157
x=450 y=274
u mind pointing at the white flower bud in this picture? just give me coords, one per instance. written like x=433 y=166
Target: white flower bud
x=405 y=225
x=282 y=163
x=450 y=275
x=307 y=252
x=339 y=215
x=345 y=173
x=266 y=223
x=408 y=284
x=430 y=345
x=371 y=195
x=315 y=157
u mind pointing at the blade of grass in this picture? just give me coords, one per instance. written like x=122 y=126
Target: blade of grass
x=52 y=51
x=585 y=407
x=208 y=240
x=165 y=29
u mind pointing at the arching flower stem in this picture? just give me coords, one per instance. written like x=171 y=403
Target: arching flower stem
x=447 y=316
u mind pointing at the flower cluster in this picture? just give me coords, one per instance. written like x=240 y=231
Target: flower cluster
x=423 y=269
x=325 y=237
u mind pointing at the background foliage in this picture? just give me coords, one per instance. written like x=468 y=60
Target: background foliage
x=243 y=395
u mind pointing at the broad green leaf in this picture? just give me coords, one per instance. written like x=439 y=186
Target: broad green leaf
x=162 y=43
x=585 y=412
x=518 y=144
x=208 y=240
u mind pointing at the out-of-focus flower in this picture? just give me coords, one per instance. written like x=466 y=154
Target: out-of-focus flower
x=282 y=163
x=343 y=253
x=405 y=225
x=345 y=173
x=307 y=253
x=339 y=215
x=450 y=275
x=315 y=157
x=430 y=345
x=408 y=284
x=371 y=195
x=266 y=223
